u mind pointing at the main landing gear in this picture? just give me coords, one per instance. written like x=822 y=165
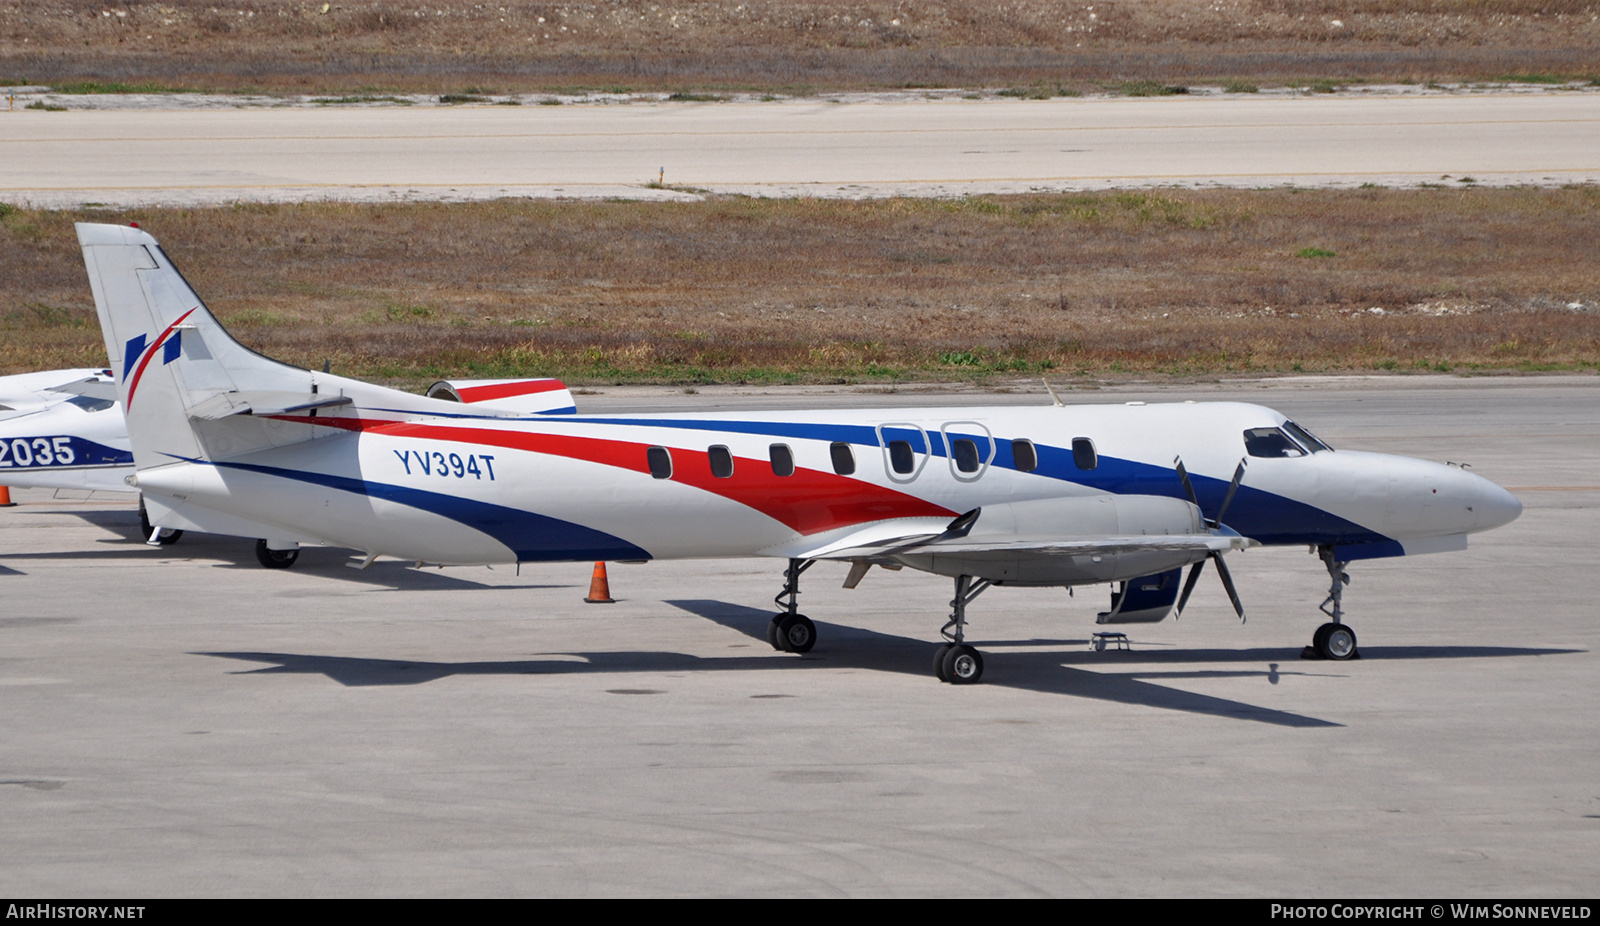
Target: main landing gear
x=956 y=662
x=790 y=631
x=275 y=559
x=154 y=536
x=1334 y=640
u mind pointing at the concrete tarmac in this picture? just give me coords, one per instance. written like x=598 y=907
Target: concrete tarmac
x=180 y=722
x=914 y=147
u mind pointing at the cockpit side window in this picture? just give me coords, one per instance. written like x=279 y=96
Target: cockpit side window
x=88 y=403
x=1305 y=438
x=1270 y=442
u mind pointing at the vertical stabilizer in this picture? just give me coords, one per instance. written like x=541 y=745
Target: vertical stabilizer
x=167 y=352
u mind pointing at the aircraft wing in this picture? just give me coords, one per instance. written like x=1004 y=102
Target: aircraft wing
x=878 y=536
x=1040 y=545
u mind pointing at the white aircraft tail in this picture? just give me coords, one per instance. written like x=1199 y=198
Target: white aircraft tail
x=160 y=339
x=188 y=389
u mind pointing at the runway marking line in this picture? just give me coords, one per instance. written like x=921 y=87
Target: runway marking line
x=975 y=130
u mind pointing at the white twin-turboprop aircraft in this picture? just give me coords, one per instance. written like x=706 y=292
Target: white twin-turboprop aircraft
x=227 y=441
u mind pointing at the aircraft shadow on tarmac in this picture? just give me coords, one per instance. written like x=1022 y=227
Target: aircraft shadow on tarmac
x=853 y=647
x=237 y=553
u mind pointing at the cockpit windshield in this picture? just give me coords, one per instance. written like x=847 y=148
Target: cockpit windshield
x=1306 y=438
x=1270 y=442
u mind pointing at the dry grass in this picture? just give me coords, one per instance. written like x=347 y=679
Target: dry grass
x=453 y=45
x=1184 y=283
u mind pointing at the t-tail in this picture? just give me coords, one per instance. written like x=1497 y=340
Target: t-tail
x=194 y=396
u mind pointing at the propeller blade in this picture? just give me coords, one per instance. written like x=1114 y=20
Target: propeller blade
x=1227 y=583
x=1183 y=475
x=1238 y=476
x=1194 y=576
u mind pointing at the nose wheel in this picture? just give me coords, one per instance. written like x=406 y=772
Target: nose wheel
x=1333 y=640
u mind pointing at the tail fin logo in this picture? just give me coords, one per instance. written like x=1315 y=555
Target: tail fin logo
x=136 y=356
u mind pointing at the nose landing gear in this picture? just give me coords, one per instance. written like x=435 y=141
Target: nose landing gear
x=1334 y=640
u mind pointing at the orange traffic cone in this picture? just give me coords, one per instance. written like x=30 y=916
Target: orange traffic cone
x=599 y=586
x=5 y=498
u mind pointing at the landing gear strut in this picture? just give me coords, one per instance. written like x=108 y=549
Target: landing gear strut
x=956 y=662
x=1334 y=640
x=790 y=631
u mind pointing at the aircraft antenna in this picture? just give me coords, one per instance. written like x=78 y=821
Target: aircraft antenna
x=1052 y=392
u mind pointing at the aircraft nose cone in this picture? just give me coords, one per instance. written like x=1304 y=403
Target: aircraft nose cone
x=1495 y=506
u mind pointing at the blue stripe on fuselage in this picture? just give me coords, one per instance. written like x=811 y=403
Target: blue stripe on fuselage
x=532 y=537
x=1257 y=514
x=1260 y=515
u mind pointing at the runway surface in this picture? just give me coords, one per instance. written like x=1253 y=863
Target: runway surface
x=135 y=156
x=179 y=721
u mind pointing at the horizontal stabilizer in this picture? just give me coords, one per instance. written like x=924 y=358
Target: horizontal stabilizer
x=263 y=403
x=542 y=396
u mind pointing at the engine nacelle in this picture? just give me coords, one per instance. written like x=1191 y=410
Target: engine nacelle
x=1145 y=600
x=527 y=396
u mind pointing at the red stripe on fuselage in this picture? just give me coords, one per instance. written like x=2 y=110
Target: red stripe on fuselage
x=809 y=502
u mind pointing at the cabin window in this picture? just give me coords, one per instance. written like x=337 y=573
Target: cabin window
x=844 y=462
x=1024 y=455
x=721 y=461
x=1305 y=438
x=901 y=459
x=782 y=460
x=1270 y=442
x=965 y=452
x=660 y=461
x=1083 y=454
